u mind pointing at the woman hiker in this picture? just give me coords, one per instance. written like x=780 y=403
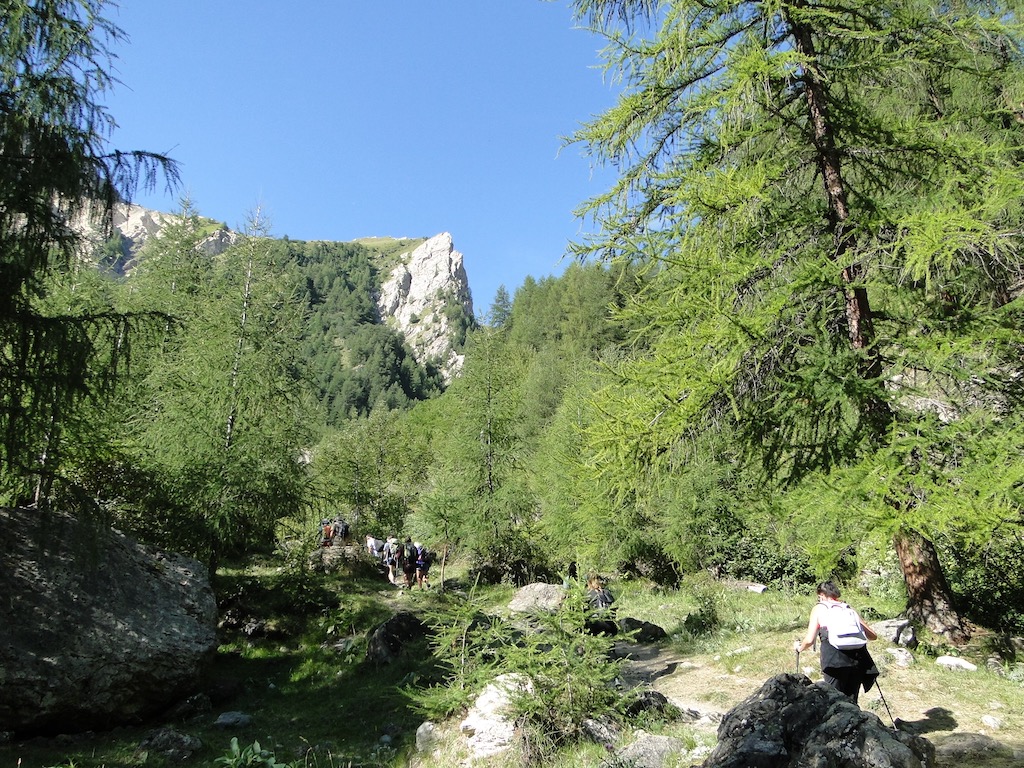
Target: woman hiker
x=846 y=664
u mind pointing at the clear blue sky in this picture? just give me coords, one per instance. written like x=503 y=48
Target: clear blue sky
x=345 y=119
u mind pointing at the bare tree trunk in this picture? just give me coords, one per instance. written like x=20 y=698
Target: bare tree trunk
x=929 y=598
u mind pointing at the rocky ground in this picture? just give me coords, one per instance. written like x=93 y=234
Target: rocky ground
x=706 y=689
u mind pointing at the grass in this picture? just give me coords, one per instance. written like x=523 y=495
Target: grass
x=316 y=702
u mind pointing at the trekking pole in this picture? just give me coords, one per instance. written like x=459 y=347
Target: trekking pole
x=886 y=704
x=796 y=648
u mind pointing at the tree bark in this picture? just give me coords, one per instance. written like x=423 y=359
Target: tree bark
x=929 y=598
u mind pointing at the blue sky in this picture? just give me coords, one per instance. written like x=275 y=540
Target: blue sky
x=344 y=119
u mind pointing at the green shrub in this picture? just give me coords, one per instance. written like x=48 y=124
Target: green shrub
x=241 y=757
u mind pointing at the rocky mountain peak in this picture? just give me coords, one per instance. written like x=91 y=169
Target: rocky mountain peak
x=427 y=297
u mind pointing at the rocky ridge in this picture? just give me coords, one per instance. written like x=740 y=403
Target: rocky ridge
x=419 y=298
x=426 y=296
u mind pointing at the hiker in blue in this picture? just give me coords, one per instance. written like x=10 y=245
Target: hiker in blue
x=846 y=664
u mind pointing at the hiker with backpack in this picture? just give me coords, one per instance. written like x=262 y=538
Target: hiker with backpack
x=423 y=560
x=601 y=620
x=408 y=559
x=326 y=533
x=846 y=664
x=392 y=555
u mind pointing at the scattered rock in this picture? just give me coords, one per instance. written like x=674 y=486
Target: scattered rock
x=750 y=586
x=601 y=731
x=650 y=751
x=646 y=632
x=487 y=725
x=991 y=721
x=964 y=748
x=900 y=656
x=651 y=701
x=387 y=640
x=896 y=631
x=426 y=737
x=955 y=662
x=171 y=744
x=233 y=720
x=537 y=597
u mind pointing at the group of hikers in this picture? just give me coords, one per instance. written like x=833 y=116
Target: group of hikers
x=842 y=634
x=407 y=563
x=333 y=531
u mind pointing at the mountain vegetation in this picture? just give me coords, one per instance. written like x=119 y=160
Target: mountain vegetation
x=792 y=349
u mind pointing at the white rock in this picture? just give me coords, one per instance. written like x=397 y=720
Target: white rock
x=992 y=722
x=955 y=662
x=900 y=656
x=416 y=293
x=487 y=725
x=426 y=737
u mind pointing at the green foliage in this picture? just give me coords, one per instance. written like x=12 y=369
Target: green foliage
x=367 y=365
x=707 y=596
x=855 y=336
x=557 y=674
x=222 y=413
x=253 y=754
x=57 y=169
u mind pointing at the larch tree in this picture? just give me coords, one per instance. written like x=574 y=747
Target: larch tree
x=827 y=200
x=56 y=171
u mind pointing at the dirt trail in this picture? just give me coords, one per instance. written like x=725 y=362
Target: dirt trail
x=705 y=690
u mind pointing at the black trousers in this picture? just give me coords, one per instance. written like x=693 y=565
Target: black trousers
x=845 y=681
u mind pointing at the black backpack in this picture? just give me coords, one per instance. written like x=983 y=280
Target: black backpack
x=410 y=553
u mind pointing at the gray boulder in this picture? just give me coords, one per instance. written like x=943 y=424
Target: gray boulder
x=389 y=639
x=651 y=751
x=793 y=723
x=537 y=598
x=645 y=631
x=96 y=630
x=896 y=631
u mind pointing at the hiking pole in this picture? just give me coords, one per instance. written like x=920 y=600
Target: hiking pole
x=886 y=704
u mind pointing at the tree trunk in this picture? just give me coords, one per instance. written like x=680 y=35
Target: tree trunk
x=929 y=598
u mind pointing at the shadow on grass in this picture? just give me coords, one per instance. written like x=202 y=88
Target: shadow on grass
x=935 y=719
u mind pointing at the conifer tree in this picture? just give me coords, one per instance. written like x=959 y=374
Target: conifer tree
x=827 y=197
x=56 y=171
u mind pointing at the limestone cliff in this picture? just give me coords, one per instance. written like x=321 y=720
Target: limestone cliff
x=427 y=298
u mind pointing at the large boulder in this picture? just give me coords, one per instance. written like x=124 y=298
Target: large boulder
x=96 y=630
x=537 y=598
x=793 y=723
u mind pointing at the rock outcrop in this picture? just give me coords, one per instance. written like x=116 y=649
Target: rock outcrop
x=425 y=296
x=793 y=723
x=95 y=629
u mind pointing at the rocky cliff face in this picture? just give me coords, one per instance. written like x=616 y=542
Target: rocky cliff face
x=427 y=298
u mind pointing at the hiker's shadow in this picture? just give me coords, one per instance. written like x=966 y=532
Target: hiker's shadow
x=935 y=719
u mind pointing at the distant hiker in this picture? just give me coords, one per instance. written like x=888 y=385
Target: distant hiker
x=846 y=664
x=326 y=533
x=374 y=547
x=392 y=550
x=339 y=529
x=601 y=620
x=573 y=575
x=423 y=560
x=409 y=562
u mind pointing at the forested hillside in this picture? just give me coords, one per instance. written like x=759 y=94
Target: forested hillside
x=792 y=347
